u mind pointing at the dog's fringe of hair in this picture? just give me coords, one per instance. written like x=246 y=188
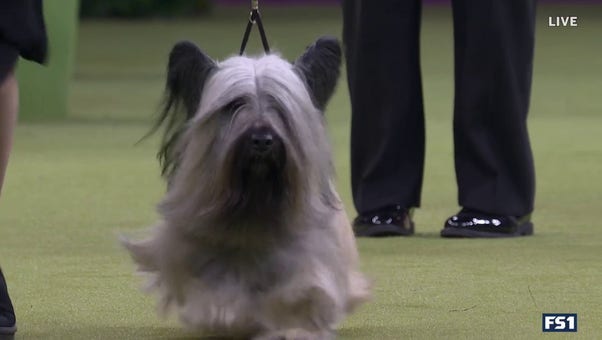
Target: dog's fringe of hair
x=174 y=119
x=187 y=72
x=169 y=114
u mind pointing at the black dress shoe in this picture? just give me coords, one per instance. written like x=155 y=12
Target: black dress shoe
x=392 y=221
x=7 y=314
x=471 y=223
x=8 y=325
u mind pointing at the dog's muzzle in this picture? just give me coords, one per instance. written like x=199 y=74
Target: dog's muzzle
x=257 y=173
x=261 y=141
x=262 y=144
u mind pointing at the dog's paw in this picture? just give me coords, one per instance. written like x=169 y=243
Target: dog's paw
x=297 y=334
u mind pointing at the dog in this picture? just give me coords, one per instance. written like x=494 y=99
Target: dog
x=253 y=240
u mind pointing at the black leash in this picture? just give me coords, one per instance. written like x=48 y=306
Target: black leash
x=254 y=17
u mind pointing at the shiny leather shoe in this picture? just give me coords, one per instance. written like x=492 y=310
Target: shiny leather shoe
x=7 y=314
x=474 y=224
x=392 y=221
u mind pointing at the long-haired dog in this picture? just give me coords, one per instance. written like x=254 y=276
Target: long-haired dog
x=253 y=241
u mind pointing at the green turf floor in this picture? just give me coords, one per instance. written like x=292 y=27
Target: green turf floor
x=74 y=185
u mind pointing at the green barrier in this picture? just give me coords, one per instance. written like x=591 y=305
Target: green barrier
x=44 y=90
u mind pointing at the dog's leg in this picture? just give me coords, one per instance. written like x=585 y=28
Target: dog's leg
x=359 y=285
x=297 y=334
x=302 y=314
x=359 y=290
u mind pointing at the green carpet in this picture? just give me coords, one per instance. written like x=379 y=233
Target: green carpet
x=74 y=185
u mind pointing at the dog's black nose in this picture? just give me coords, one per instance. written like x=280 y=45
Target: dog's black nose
x=261 y=141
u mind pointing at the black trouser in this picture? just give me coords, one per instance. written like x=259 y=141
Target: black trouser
x=5 y=303
x=493 y=64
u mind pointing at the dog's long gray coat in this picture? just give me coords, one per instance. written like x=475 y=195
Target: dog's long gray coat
x=271 y=260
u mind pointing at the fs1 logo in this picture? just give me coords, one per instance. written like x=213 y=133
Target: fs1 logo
x=559 y=322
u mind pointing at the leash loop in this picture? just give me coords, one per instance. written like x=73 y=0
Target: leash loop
x=254 y=18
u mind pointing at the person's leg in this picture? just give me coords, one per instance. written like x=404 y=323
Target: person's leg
x=387 y=129
x=494 y=42
x=9 y=105
x=22 y=32
x=9 y=99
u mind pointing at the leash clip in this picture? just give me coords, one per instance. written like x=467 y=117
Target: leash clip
x=254 y=9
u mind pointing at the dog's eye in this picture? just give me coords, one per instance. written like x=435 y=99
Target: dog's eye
x=234 y=105
x=276 y=107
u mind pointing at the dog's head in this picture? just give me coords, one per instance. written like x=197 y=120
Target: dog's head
x=246 y=135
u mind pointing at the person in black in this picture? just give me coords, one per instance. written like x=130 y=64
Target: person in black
x=22 y=32
x=494 y=42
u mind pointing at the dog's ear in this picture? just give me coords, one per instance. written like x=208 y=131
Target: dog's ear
x=319 y=67
x=187 y=71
